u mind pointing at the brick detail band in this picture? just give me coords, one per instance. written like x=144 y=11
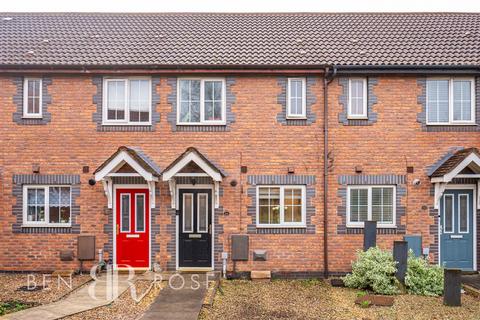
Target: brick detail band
x=98 y=115
x=401 y=190
x=18 y=101
x=255 y=180
x=52 y=179
x=422 y=116
x=371 y=101
x=172 y=116
x=311 y=99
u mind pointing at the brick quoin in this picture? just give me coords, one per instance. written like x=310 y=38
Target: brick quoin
x=255 y=139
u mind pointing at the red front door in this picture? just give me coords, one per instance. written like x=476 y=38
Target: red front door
x=132 y=217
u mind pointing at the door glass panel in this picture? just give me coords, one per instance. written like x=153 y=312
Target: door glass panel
x=125 y=213
x=140 y=212
x=463 y=213
x=448 y=213
x=202 y=212
x=187 y=212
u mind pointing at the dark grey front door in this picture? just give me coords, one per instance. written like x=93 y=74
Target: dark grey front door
x=456 y=229
x=195 y=228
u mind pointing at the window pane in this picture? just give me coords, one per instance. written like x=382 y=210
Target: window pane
x=263 y=214
x=293 y=205
x=448 y=213
x=296 y=97
x=357 y=98
x=139 y=98
x=462 y=104
x=269 y=205
x=358 y=205
x=463 y=214
x=437 y=98
x=187 y=212
x=213 y=100
x=202 y=212
x=140 y=212
x=116 y=100
x=125 y=213
x=33 y=96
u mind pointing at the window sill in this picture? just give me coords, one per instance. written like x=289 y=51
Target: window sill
x=280 y=226
x=201 y=124
x=357 y=118
x=32 y=117
x=145 y=124
x=296 y=118
x=451 y=124
x=379 y=226
x=51 y=225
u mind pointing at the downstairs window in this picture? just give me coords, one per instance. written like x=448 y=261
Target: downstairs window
x=46 y=205
x=371 y=203
x=282 y=206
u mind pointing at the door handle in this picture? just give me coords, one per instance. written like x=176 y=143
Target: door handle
x=118 y=229
x=210 y=228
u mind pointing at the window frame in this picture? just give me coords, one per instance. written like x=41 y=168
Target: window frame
x=283 y=224
x=355 y=224
x=45 y=223
x=451 y=121
x=126 y=122
x=304 y=99
x=27 y=114
x=364 y=115
x=203 y=122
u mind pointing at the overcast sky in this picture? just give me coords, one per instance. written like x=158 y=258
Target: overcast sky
x=240 y=5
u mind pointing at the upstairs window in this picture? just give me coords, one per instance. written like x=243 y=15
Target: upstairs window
x=201 y=101
x=32 y=98
x=127 y=101
x=450 y=101
x=296 y=98
x=375 y=203
x=46 y=205
x=281 y=206
x=357 y=98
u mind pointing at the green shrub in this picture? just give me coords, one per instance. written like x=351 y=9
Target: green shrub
x=422 y=278
x=375 y=270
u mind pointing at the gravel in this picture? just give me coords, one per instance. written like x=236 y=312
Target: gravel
x=313 y=299
x=125 y=307
x=11 y=282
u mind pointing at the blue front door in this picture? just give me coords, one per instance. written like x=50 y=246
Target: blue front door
x=456 y=229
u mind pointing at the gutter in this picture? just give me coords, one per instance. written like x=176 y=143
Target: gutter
x=326 y=81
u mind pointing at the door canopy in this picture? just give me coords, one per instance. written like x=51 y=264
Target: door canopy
x=128 y=162
x=192 y=163
x=464 y=163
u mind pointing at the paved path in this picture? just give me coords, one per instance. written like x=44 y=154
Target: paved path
x=78 y=301
x=179 y=304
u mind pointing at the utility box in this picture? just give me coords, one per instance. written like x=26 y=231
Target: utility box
x=86 y=248
x=414 y=243
x=239 y=247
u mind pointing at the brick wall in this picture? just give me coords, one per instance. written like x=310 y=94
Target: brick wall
x=71 y=140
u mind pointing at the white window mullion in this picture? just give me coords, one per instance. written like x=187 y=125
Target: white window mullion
x=282 y=205
x=369 y=204
x=127 y=100
x=202 y=100
x=450 y=100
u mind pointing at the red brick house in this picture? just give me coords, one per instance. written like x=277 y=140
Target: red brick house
x=164 y=135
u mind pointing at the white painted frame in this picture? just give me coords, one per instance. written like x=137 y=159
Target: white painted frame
x=468 y=212
x=184 y=213
x=364 y=115
x=453 y=213
x=129 y=186
x=32 y=115
x=136 y=212
x=452 y=122
x=282 y=223
x=45 y=223
x=126 y=122
x=129 y=213
x=303 y=115
x=198 y=213
x=202 y=102
x=197 y=186
x=392 y=225
x=474 y=223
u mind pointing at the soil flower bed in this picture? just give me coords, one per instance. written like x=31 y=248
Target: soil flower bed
x=314 y=299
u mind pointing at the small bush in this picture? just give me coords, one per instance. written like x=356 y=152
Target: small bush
x=422 y=278
x=375 y=270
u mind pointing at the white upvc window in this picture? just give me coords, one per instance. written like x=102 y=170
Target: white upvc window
x=281 y=206
x=296 y=98
x=450 y=101
x=357 y=98
x=127 y=101
x=32 y=98
x=201 y=101
x=371 y=203
x=47 y=205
